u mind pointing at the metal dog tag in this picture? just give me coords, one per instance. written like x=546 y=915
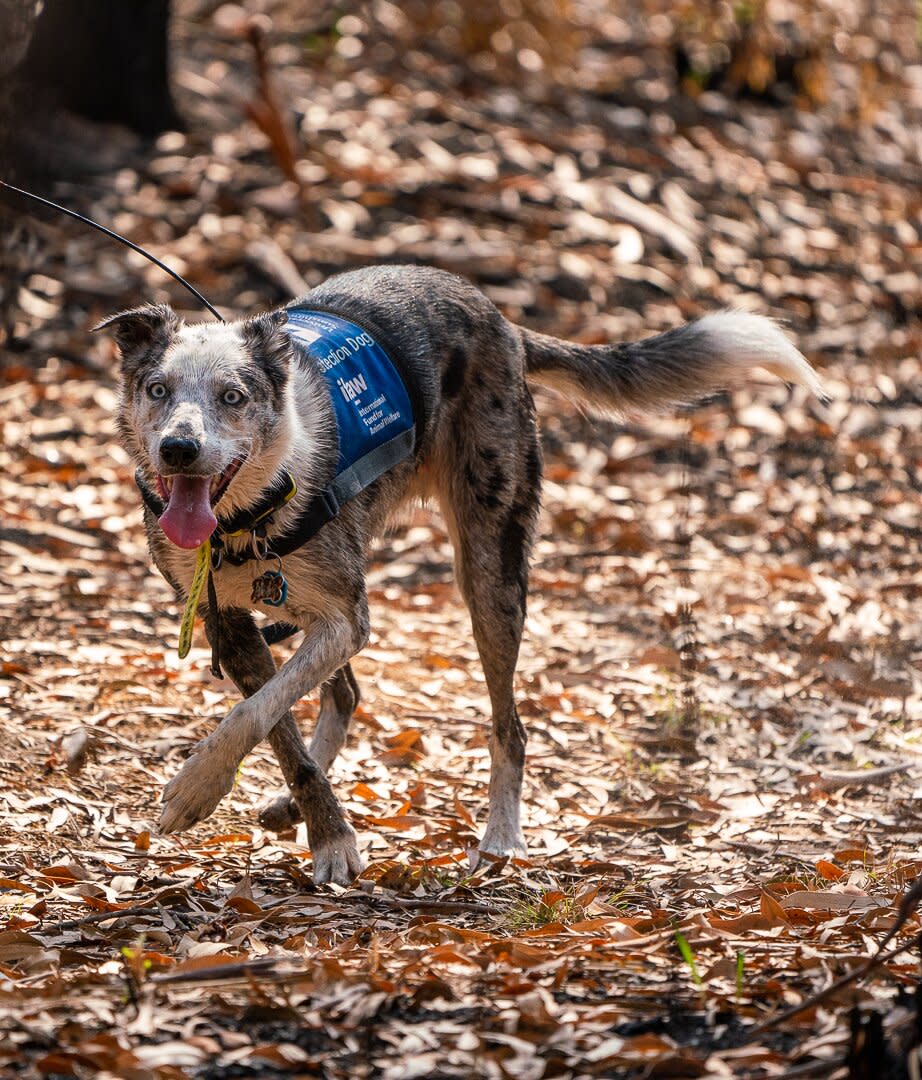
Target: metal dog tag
x=270 y=588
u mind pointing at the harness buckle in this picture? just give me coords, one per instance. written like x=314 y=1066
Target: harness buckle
x=330 y=503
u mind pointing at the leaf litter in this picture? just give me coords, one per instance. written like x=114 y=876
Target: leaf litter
x=680 y=899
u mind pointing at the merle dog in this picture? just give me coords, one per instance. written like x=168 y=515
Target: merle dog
x=225 y=418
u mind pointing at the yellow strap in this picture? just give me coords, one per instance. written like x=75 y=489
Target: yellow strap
x=202 y=566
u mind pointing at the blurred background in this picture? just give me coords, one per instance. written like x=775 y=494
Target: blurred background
x=584 y=161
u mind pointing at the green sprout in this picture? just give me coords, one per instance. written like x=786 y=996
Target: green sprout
x=689 y=957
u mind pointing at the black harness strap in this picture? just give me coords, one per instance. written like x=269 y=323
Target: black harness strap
x=279 y=492
x=216 y=631
x=319 y=511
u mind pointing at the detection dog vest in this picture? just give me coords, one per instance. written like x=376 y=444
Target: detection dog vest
x=375 y=422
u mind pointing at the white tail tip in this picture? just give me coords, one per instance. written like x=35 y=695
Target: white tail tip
x=746 y=341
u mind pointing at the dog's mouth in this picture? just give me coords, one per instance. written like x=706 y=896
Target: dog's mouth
x=189 y=519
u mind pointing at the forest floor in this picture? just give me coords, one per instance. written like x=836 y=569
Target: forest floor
x=682 y=887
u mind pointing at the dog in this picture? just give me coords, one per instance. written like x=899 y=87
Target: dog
x=245 y=421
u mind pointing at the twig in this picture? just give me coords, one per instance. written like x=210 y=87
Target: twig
x=443 y=907
x=273 y=969
x=218 y=972
x=818 y=998
x=908 y=905
x=833 y=780
x=266 y=110
x=813 y=1068
x=98 y=917
x=266 y=255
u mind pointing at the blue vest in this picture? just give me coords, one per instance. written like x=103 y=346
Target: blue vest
x=374 y=417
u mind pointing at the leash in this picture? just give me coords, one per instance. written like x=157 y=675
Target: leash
x=202 y=570
x=115 y=236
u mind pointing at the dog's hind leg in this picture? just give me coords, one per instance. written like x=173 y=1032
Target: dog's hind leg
x=492 y=526
x=250 y=665
x=338 y=698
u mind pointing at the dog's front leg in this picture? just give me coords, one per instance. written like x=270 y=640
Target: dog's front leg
x=209 y=773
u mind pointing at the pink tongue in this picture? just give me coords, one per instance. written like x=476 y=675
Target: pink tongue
x=188 y=520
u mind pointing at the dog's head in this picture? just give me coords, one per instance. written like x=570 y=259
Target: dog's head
x=206 y=410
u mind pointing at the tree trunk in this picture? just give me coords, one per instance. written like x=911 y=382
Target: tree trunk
x=106 y=60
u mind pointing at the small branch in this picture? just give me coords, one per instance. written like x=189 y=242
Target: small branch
x=267 y=256
x=833 y=780
x=97 y=917
x=266 y=109
x=217 y=972
x=442 y=907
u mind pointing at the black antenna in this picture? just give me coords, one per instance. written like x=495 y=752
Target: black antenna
x=121 y=239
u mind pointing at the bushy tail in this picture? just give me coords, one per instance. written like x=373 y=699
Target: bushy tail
x=710 y=354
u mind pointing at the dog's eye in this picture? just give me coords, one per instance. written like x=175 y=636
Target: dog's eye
x=157 y=391
x=232 y=397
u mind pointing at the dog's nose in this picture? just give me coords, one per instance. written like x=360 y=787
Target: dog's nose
x=179 y=453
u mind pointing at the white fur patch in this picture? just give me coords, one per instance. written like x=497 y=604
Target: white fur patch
x=741 y=341
x=503 y=834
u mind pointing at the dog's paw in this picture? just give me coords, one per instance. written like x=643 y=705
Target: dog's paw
x=195 y=791
x=280 y=813
x=338 y=860
x=502 y=841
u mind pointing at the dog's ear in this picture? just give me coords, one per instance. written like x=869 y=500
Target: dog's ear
x=268 y=344
x=142 y=330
